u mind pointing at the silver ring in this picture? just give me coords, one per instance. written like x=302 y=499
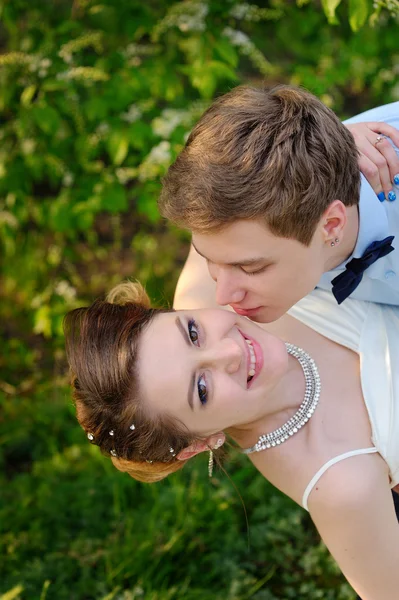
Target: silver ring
x=378 y=139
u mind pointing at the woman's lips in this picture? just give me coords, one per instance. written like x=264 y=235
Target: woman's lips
x=259 y=359
x=258 y=355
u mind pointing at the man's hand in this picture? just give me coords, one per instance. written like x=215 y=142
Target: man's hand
x=378 y=162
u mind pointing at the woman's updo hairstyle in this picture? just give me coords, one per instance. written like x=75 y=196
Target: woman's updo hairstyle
x=102 y=348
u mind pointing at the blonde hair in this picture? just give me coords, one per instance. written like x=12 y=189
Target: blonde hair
x=278 y=155
x=102 y=349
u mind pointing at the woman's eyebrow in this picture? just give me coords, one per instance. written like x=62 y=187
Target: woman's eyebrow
x=184 y=333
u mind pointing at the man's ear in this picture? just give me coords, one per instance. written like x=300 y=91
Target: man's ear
x=212 y=442
x=334 y=220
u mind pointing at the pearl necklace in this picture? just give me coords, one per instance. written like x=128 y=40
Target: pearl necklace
x=305 y=411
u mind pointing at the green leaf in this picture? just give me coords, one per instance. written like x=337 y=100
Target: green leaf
x=42 y=321
x=140 y=135
x=358 y=13
x=13 y=594
x=222 y=70
x=118 y=146
x=227 y=51
x=60 y=213
x=27 y=95
x=329 y=7
x=114 y=198
x=47 y=119
x=205 y=76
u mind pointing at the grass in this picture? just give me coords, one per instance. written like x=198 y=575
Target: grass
x=74 y=528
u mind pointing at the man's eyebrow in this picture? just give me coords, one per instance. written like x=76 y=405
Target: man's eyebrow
x=184 y=333
x=242 y=263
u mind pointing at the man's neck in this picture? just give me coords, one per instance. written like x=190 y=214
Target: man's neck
x=348 y=242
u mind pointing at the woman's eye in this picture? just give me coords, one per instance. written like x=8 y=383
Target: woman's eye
x=202 y=390
x=193 y=332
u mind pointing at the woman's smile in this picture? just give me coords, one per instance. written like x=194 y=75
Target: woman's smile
x=207 y=368
x=254 y=358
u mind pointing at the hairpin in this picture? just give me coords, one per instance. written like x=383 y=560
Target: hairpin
x=90 y=436
x=132 y=427
x=113 y=453
x=111 y=432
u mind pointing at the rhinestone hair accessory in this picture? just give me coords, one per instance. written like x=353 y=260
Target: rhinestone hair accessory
x=132 y=427
x=305 y=411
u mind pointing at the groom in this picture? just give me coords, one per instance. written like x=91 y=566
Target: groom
x=269 y=185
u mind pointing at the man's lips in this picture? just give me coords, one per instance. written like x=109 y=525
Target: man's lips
x=245 y=312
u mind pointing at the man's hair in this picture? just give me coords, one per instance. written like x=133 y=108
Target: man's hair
x=276 y=154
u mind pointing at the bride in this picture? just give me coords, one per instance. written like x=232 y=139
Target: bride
x=312 y=398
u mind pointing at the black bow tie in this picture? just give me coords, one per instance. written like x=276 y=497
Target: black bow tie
x=345 y=283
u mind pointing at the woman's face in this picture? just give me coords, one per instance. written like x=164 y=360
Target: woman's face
x=211 y=369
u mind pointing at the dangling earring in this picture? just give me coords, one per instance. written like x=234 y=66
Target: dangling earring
x=210 y=463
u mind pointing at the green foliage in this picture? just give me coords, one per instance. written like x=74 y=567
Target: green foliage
x=96 y=100
x=358 y=11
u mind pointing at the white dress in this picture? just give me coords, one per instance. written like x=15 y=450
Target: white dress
x=372 y=331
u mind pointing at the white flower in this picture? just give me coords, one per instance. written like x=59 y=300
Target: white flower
x=65 y=290
x=155 y=162
x=68 y=179
x=28 y=146
x=132 y=114
x=169 y=119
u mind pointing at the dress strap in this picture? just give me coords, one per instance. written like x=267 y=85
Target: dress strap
x=329 y=464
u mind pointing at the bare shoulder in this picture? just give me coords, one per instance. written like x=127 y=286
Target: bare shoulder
x=348 y=484
x=354 y=513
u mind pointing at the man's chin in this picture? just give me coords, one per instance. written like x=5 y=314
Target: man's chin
x=267 y=315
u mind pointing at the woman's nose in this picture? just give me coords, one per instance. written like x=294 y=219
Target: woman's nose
x=226 y=354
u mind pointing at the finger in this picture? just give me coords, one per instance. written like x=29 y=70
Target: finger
x=385 y=129
x=372 y=174
x=393 y=134
x=376 y=154
x=392 y=160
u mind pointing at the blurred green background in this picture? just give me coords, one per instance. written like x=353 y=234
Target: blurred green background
x=96 y=99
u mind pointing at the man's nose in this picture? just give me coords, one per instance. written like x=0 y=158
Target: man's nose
x=227 y=292
x=226 y=354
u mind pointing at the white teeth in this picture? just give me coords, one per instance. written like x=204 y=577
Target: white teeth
x=252 y=355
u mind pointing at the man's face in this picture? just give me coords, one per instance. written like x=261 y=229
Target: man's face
x=257 y=273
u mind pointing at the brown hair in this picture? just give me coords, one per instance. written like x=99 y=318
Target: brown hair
x=279 y=155
x=102 y=343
